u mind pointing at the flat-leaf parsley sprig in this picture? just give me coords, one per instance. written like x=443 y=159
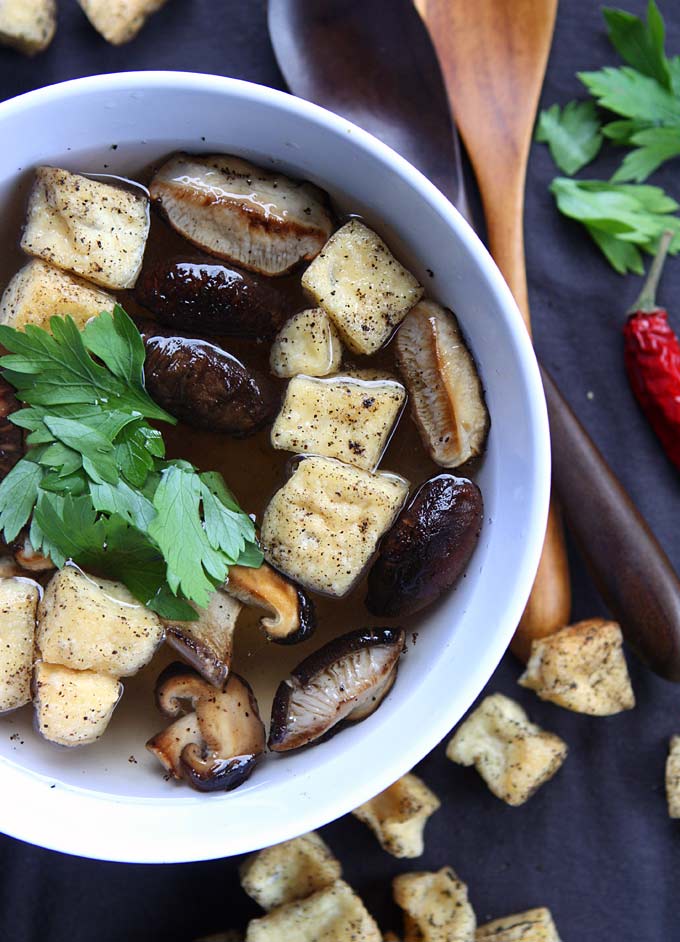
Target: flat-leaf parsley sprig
x=95 y=486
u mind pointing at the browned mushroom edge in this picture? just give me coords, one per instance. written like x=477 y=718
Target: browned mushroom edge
x=216 y=745
x=207 y=643
x=292 y=619
x=428 y=548
x=332 y=677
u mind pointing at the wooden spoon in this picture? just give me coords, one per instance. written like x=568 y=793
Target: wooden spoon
x=493 y=55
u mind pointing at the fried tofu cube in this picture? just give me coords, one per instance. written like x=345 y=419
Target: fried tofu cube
x=345 y=417
x=513 y=756
x=334 y=914
x=73 y=708
x=322 y=527
x=582 y=668
x=87 y=227
x=307 y=343
x=363 y=288
x=535 y=925
x=398 y=816
x=39 y=291
x=27 y=25
x=95 y=624
x=673 y=778
x=436 y=907
x=290 y=871
x=119 y=21
x=18 y=605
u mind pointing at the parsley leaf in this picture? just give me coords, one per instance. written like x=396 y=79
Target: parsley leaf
x=573 y=134
x=631 y=214
x=630 y=94
x=640 y=44
x=127 y=502
x=654 y=147
x=18 y=494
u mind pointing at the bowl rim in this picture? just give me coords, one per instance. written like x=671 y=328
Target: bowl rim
x=130 y=828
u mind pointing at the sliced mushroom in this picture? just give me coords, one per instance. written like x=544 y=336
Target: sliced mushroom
x=207 y=643
x=345 y=680
x=11 y=436
x=428 y=548
x=237 y=211
x=216 y=745
x=203 y=385
x=211 y=298
x=446 y=393
x=292 y=616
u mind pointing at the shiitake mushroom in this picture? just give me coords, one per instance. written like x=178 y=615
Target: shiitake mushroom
x=203 y=385
x=216 y=744
x=428 y=547
x=212 y=298
x=343 y=682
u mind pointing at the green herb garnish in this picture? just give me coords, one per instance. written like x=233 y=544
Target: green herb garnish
x=95 y=486
x=644 y=95
x=573 y=134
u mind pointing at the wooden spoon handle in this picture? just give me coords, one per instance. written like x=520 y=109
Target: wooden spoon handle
x=630 y=568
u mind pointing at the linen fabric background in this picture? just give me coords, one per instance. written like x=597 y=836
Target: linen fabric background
x=595 y=844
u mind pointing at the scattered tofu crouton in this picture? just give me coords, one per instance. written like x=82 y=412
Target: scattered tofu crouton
x=436 y=907
x=535 y=925
x=334 y=914
x=322 y=527
x=513 y=756
x=18 y=604
x=290 y=871
x=87 y=227
x=363 y=288
x=73 y=708
x=673 y=778
x=582 y=668
x=119 y=21
x=348 y=417
x=39 y=291
x=307 y=343
x=398 y=816
x=28 y=25
x=95 y=624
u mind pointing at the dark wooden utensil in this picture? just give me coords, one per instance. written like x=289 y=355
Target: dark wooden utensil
x=631 y=569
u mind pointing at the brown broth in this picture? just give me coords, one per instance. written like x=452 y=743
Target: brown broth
x=254 y=471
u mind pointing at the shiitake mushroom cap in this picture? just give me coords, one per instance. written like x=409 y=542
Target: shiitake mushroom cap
x=428 y=547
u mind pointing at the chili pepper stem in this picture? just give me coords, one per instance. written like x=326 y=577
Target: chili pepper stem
x=647 y=300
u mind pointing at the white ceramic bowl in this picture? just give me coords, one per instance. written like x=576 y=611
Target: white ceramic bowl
x=94 y=802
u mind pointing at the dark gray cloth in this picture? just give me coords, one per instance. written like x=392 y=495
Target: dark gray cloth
x=596 y=844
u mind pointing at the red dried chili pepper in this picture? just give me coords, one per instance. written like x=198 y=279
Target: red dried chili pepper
x=652 y=358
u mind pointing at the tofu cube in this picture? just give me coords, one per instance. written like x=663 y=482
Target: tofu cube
x=535 y=925
x=345 y=417
x=307 y=343
x=95 y=624
x=334 y=914
x=87 y=227
x=73 y=708
x=398 y=816
x=513 y=756
x=582 y=668
x=322 y=527
x=18 y=605
x=39 y=291
x=436 y=906
x=119 y=21
x=673 y=778
x=362 y=287
x=28 y=25
x=290 y=871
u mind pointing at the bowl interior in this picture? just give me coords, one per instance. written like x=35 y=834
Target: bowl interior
x=109 y=800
